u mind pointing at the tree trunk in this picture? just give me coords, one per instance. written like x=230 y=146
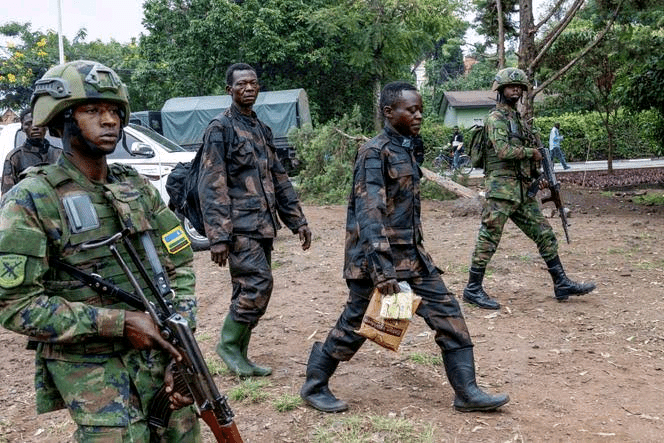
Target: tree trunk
x=501 y=35
x=527 y=52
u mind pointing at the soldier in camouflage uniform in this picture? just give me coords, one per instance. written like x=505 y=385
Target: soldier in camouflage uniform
x=383 y=245
x=511 y=166
x=35 y=151
x=96 y=356
x=244 y=191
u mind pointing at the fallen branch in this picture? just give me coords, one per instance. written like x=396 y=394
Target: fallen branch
x=448 y=184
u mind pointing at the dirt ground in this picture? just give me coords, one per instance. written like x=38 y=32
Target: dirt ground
x=588 y=370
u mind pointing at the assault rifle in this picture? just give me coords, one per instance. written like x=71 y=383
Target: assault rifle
x=191 y=374
x=550 y=176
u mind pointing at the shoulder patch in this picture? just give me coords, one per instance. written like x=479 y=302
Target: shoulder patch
x=175 y=240
x=12 y=270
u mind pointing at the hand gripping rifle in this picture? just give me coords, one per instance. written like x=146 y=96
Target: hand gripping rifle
x=550 y=176
x=191 y=374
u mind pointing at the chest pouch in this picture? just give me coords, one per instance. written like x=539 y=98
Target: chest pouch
x=126 y=199
x=81 y=213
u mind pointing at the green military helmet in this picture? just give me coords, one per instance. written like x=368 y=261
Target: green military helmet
x=510 y=76
x=74 y=83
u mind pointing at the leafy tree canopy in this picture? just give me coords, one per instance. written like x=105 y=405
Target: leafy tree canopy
x=336 y=49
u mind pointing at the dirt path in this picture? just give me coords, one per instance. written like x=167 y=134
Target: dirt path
x=588 y=370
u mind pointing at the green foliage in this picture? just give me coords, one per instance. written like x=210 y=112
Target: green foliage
x=328 y=155
x=31 y=54
x=635 y=135
x=650 y=199
x=341 y=52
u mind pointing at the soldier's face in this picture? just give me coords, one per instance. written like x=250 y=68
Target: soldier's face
x=33 y=132
x=405 y=115
x=513 y=93
x=100 y=124
x=244 y=89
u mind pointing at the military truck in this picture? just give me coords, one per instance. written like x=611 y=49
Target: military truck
x=184 y=119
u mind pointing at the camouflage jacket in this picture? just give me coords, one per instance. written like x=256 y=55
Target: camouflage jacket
x=23 y=157
x=243 y=187
x=72 y=322
x=509 y=164
x=383 y=227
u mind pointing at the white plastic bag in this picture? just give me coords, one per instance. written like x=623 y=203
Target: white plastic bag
x=398 y=306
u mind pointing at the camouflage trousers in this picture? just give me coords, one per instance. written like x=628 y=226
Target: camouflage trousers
x=526 y=215
x=439 y=309
x=109 y=398
x=250 y=264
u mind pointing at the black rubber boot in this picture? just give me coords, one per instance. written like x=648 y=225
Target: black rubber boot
x=230 y=347
x=474 y=293
x=259 y=371
x=315 y=391
x=563 y=287
x=460 y=369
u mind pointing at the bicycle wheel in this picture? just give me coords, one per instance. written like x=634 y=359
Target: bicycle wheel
x=465 y=165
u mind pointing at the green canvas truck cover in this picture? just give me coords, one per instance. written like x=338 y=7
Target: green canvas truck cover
x=184 y=119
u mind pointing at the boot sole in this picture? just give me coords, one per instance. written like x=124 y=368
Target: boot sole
x=576 y=294
x=474 y=303
x=481 y=408
x=329 y=410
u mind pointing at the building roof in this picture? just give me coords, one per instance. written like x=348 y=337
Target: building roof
x=470 y=99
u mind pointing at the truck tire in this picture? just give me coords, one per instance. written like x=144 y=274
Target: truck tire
x=198 y=241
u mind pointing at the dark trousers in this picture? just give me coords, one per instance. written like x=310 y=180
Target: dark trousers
x=250 y=264
x=439 y=309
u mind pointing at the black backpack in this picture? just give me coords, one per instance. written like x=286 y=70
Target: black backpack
x=182 y=188
x=182 y=185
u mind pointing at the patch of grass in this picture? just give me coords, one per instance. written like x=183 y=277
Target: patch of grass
x=649 y=200
x=646 y=265
x=250 y=389
x=425 y=359
x=524 y=258
x=276 y=264
x=216 y=366
x=286 y=402
x=205 y=336
x=362 y=429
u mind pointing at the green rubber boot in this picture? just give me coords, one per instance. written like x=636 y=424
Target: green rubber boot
x=259 y=371
x=230 y=347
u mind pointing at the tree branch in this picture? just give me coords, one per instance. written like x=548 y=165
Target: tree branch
x=587 y=49
x=552 y=36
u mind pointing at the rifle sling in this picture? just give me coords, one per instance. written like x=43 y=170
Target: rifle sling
x=99 y=285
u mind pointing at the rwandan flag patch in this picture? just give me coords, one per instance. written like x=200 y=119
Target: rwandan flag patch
x=175 y=240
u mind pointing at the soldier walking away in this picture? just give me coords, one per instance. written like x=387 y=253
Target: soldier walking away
x=511 y=166
x=384 y=244
x=244 y=191
x=95 y=355
x=36 y=150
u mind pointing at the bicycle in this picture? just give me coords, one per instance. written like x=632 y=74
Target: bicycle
x=444 y=164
